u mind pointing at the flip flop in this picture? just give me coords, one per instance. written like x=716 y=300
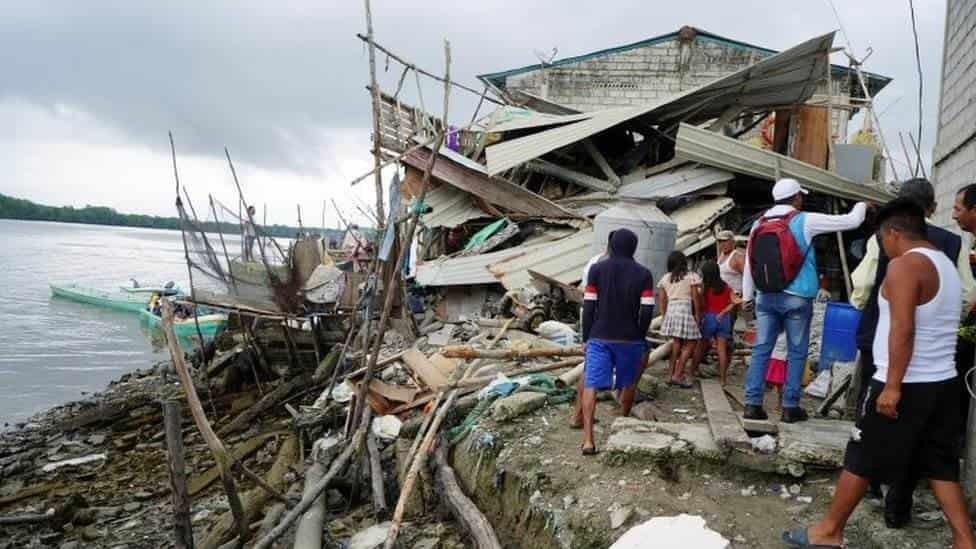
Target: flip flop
x=798 y=537
x=685 y=385
x=592 y=451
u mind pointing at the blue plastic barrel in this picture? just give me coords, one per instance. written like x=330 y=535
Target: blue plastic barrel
x=839 y=334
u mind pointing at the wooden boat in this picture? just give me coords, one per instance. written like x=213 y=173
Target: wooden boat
x=120 y=301
x=211 y=324
x=161 y=290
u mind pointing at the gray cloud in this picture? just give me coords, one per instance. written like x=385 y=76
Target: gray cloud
x=271 y=80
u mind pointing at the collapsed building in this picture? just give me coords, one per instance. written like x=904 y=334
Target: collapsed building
x=687 y=130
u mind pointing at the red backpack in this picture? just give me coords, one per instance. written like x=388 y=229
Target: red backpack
x=775 y=258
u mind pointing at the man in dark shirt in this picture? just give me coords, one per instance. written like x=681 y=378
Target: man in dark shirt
x=618 y=305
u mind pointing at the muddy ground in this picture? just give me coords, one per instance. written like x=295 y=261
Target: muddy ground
x=564 y=499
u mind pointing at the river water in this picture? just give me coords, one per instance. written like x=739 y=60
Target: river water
x=53 y=350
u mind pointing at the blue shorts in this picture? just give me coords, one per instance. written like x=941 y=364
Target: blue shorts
x=612 y=365
x=713 y=327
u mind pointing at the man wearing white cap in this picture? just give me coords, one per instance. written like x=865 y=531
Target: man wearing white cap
x=781 y=255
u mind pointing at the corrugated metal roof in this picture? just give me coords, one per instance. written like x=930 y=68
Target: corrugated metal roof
x=696 y=216
x=508 y=118
x=469 y=176
x=683 y=180
x=457 y=271
x=714 y=149
x=782 y=79
x=450 y=207
x=562 y=260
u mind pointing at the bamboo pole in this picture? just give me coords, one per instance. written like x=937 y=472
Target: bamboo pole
x=311 y=495
x=377 y=153
x=182 y=530
x=221 y=458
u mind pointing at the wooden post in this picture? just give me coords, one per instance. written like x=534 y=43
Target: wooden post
x=380 y=508
x=375 y=92
x=182 y=530
x=843 y=254
x=221 y=458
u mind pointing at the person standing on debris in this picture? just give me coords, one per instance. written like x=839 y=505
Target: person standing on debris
x=867 y=279
x=679 y=299
x=617 y=309
x=783 y=267
x=910 y=411
x=250 y=234
x=731 y=261
x=577 y=420
x=720 y=302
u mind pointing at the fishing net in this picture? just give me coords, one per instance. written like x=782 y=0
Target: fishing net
x=236 y=262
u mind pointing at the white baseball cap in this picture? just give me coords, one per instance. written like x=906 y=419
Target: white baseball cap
x=787 y=187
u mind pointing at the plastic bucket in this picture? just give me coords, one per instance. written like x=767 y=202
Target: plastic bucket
x=839 y=334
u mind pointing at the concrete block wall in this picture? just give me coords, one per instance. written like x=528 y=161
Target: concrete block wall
x=954 y=156
x=640 y=76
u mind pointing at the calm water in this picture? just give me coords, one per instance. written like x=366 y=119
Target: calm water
x=51 y=349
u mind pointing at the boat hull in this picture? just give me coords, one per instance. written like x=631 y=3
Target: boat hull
x=210 y=325
x=118 y=301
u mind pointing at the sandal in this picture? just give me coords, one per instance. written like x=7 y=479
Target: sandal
x=591 y=451
x=685 y=384
x=798 y=537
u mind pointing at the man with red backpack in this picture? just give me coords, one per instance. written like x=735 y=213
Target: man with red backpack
x=782 y=267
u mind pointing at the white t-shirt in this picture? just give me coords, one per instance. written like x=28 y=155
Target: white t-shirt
x=936 y=326
x=586 y=269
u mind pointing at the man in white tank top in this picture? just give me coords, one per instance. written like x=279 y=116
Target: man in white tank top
x=911 y=408
x=731 y=261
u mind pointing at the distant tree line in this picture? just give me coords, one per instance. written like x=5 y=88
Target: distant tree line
x=17 y=208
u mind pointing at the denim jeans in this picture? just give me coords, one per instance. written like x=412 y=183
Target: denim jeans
x=774 y=312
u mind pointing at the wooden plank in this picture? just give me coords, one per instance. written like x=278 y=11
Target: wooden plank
x=726 y=429
x=760 y=426
x=601 y=161
x=496 y=190
x=417 y=363
x=199 y=483
x=573 y=176
x=444 y=364
x=810 y=136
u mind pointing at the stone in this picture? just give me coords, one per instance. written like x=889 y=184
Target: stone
x=795 y=489
x=746 y=492
x=96 y=440
x=370 y=538
x=142 y=495
x=930 y=516
x=132 y=507
x=534 y=440
x=619 y=515
x=200 y=516
x=70 y=545
x=513 y=406
x=804 y=499
x=536 y=498
x=815 y=442
x=90 y=533
x=568 y=501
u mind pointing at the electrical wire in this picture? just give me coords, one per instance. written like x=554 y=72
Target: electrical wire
x=918 y=65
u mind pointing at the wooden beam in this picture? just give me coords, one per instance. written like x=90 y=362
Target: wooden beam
x=726 y=117
x=726 y=429
x=548 y=168
x=601 y=161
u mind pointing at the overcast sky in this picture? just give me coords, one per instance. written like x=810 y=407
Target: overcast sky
x=90 y=88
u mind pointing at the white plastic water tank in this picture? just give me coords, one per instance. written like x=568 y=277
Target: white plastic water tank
x=656 y=233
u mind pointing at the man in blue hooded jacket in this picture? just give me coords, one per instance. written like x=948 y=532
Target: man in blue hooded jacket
x=618 y=304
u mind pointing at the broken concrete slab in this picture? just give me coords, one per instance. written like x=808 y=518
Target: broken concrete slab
x=698 y=436
x=817 y=442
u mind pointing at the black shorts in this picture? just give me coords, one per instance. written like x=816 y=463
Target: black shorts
x=924 y=437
